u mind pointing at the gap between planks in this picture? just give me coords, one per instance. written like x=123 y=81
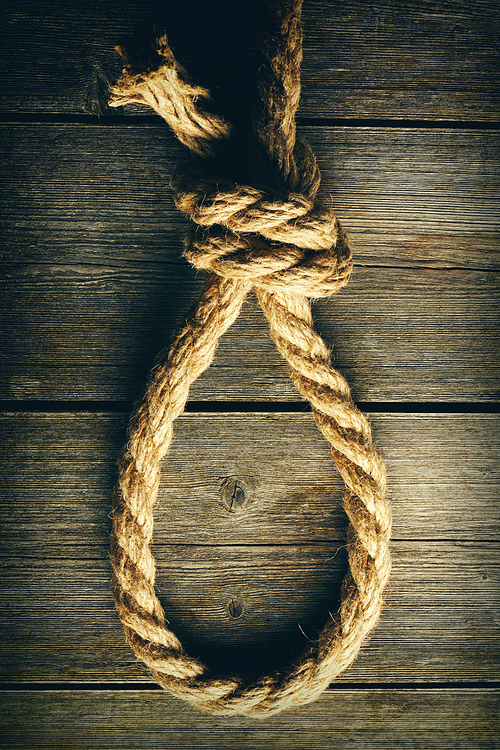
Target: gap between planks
x=115 y=120
x=245 y=407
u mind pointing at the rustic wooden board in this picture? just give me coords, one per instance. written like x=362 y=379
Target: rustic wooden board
x=366 y=719
x=440 y=621
x=90 y=332
x=275 y=565
x=429 y=60
x=80 y=194
x=58 y=472
x=93 y=285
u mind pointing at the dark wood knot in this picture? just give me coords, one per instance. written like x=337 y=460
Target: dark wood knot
x=235 y=494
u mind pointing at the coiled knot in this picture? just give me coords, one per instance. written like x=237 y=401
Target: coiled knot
x=284 y=242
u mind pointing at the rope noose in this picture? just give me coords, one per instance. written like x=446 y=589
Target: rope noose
x=282 y=242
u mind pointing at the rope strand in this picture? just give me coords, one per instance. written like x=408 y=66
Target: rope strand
x=276 y=237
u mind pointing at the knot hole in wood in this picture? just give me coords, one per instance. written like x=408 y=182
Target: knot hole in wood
x=235 y=608
x=235 y=494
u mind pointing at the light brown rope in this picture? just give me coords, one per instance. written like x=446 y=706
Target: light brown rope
x=276 y=237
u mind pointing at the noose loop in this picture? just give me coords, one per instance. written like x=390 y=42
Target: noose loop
x=272 y=235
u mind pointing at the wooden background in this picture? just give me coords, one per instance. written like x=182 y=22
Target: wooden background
x=400 y=103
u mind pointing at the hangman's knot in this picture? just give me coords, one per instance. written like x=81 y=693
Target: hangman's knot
x=284 y=243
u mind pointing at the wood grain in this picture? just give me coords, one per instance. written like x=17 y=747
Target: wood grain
x=90 y=332
x=58 y=472
x=419 y=197
x=439 y=622
x=93 y=285
x=249 y=534
x=244 y=588
x=429 y=60
x=366 y=719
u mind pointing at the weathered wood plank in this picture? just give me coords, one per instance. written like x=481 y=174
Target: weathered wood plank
x=431 y=60
x=90 y=332
x=271 y=558
x=58 y=472
x=415 y=197
x=364 y=719
x=440 y=621
x=93 y=286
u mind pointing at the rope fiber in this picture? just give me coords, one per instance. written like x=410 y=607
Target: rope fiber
x=271 y=235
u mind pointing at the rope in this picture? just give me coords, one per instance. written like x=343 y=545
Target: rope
x=272 y=235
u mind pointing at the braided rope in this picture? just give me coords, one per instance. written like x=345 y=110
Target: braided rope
x=281 y=241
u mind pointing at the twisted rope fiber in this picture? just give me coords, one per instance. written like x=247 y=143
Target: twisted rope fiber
x=275 y=237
